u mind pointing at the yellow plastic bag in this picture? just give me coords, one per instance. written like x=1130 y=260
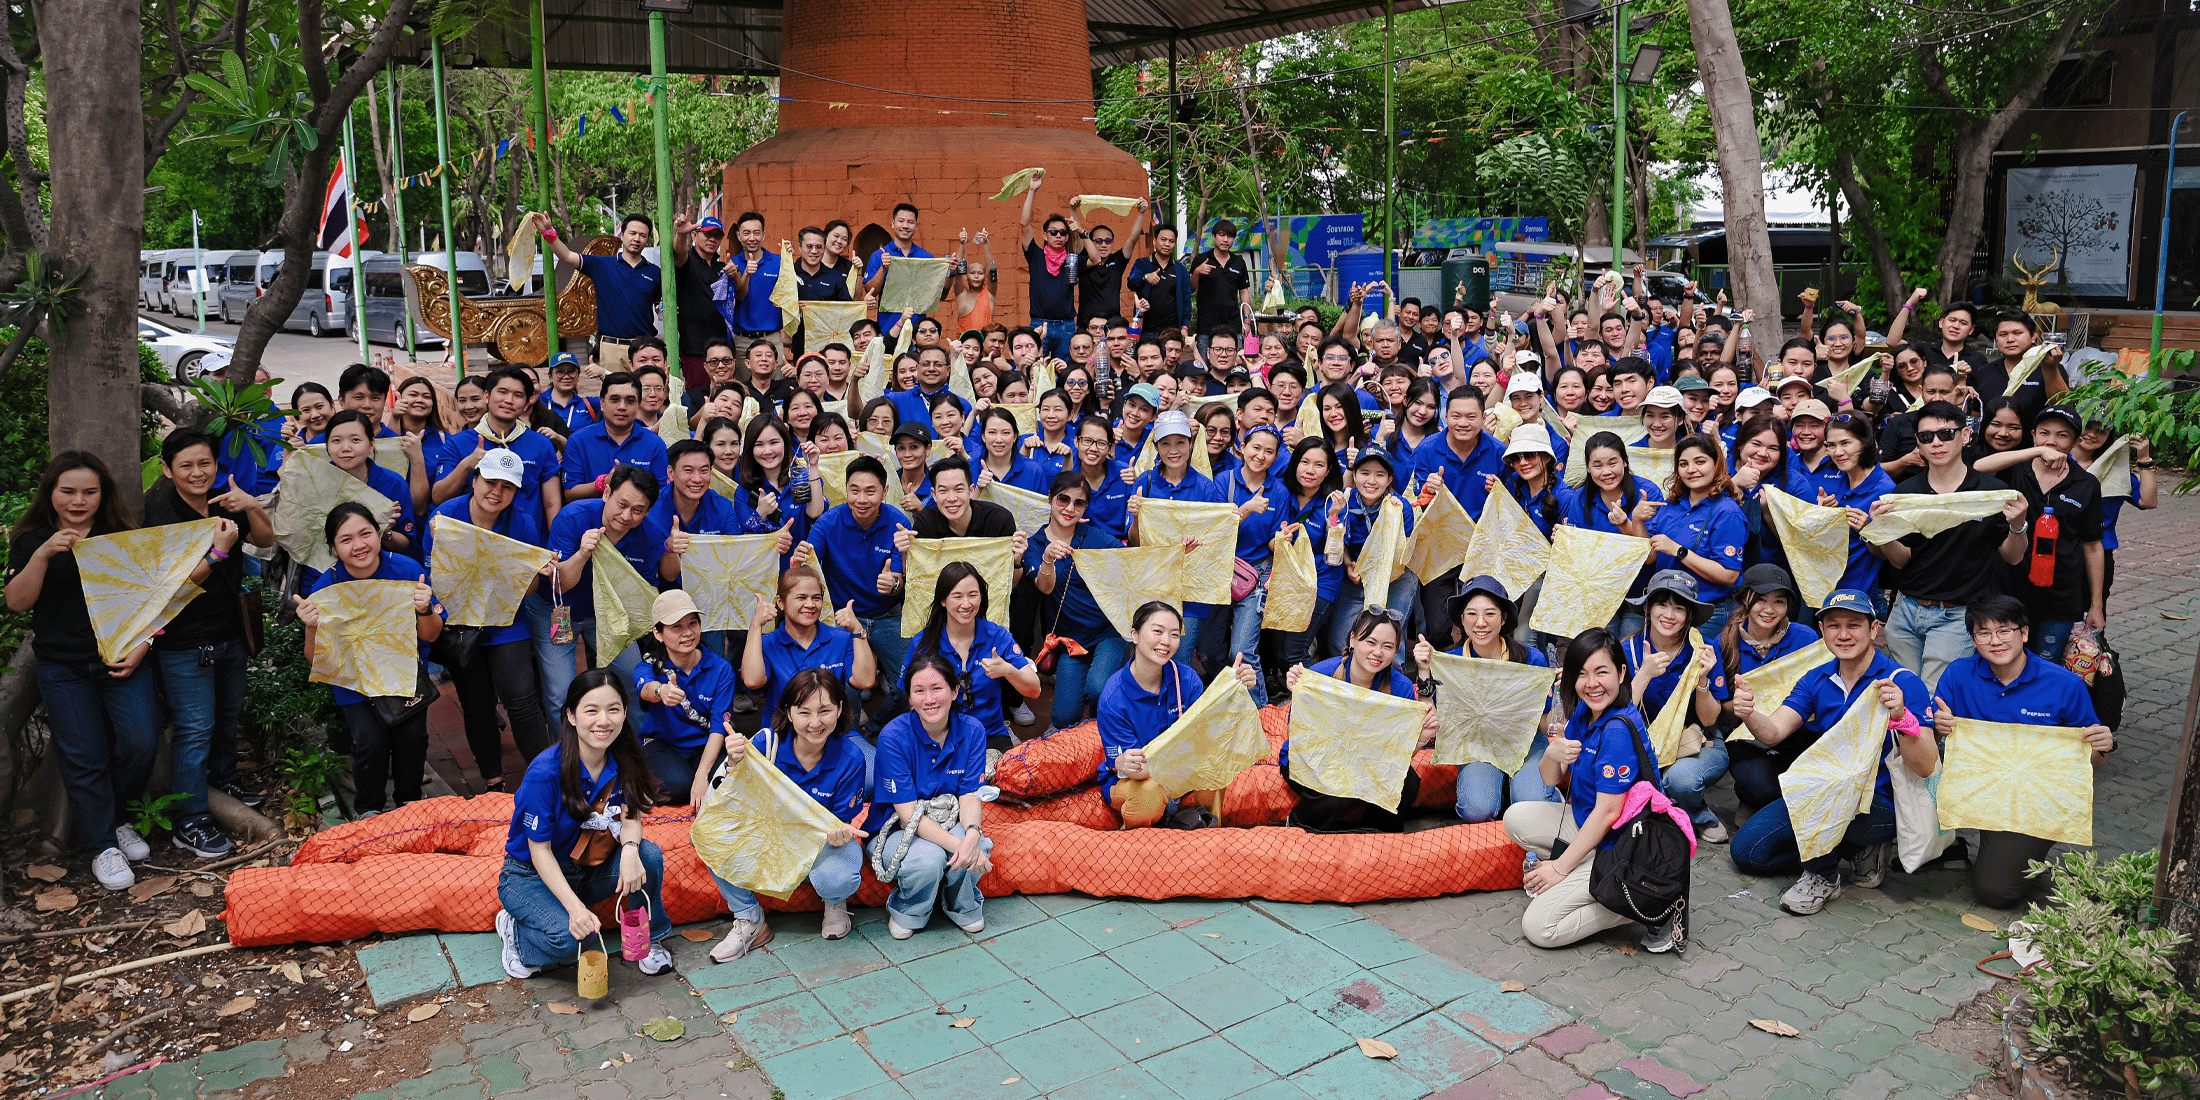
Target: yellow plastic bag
x=1441 y=537
x=1929 y=514
x=311 y=488
x=1489 y=710
x=1215 y=739
x=1507 y=545
x=136 y=581
x=758 y=830
x=1292 y=584
x=1589 y=575
x=1208 y=570
x=922 y=563
x=622 y=601
x=1680 y=707
x=2004 y=777
x=1816 y=539
x=368 y=640
x=728 y=573
x=1351 y=742
x=1832 y=781
x=480 y=575
x=1121 y=580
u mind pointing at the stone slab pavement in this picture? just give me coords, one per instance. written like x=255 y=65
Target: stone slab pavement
x=1076 y=997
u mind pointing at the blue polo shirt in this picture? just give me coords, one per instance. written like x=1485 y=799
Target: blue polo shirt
x=1126 y=448
x=710 y=690
x=833 y=649
x=981 y=693
x=513 y=524
x=851 y=555
x=836 y=783
x=1746 y=659
x=1071 y=611
x=536 y=453
x=1611 y=760
x=1110 y=506
x=1659 y=691
x=1392 y=682
x=391 y=567
x=642 y=548
x=916 y=404
x=1556 y=494
x=1048 y=463
x=591 y=453
x=1359 y=518
x=1314 y=518
x=1713 y=528
x=871 y=267
x=1024 y=472
x=538 y=808
x=1804 y=484
x=912 y=767
x=575 y=414
x=1821 y=700
x=1131 y=717
x=714 y=514
x=1257 y=530
x=626 y=296
x=1586 y=507
x=2043 y=694
x=2111 y=507
x=1463 y=476
x=1195 y=488
x=1862 y=572
x=756 y=312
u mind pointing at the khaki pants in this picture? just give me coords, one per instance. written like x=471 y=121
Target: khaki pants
x=743 y=342
x=1565 y=913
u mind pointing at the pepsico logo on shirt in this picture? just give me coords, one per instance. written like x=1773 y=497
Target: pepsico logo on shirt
x=1624 y=770
x=1731 y=551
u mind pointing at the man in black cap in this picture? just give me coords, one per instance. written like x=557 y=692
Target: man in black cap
x=2062 y=576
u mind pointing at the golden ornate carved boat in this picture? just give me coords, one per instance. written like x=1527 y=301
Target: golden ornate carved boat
x=513 y=329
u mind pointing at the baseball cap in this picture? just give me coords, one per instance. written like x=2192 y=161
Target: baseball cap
x=2068 y=414
x=1811 y=407
x=1689 y=383
x=910 y=429
x=1752 y=397
x=1375 y=454
x=672 y=606
x=1144 y=391
x=711 y=223
x=1795 y=380
x=1529 y=439
x=564 y=359
x=1171 y=423
x=502 y=465
x=1238 y=372
x=1850 y=599
x=1765 y=578
x=1664 y=397
x=1520 y=357
x=1523 y=381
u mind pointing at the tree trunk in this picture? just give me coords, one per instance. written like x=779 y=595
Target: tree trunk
x=1741 y=162
x=95 y=133
x=22 y=212
x=1875 y=239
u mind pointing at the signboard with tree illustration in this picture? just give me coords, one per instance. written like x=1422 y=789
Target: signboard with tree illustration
x=2080 y=214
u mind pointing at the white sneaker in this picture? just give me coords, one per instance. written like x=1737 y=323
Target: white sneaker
x=508 y=931
x=1869 y=867
x=1022 y=715
x=897 y=931
x=1811 y=893
x=657 y=960
x=1714 y=833
x=112 y=868
x=974 y=927
x=133 y=846
x=837 y=922
x=744 y=935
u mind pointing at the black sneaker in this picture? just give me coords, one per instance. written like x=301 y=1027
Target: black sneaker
x=252 y=800
x=199 y=837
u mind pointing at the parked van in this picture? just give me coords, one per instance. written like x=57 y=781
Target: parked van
x=323 y=307
x=149 y=262
x=473 y=275
x=389 y=305
x=197 y=280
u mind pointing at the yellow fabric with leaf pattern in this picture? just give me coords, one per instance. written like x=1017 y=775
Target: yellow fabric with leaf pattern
x=1215 y=739
x=1816 y=539
x=1352 y=742
x=1832 y=781
x=479 y=575
x=758 y=830
x=2005 y=777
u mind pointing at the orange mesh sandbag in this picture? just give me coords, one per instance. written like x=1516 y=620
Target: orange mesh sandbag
x=326 y=902
x=1439 y=782
x=446 y=824
x=1087 y=807
x=1257 y=796
x=1056 y=762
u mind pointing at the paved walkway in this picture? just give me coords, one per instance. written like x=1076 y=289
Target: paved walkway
x=1075 y=997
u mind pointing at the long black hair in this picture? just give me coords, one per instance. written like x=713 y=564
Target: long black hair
x=1630 y=494
x=1585 y=645
x=41 y=515
x=1518 y=487
x=637 y=788
x=1330 y=483
x=935 y=625
x=937 y=662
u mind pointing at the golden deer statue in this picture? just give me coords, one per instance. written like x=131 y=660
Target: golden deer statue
x=2034 y=280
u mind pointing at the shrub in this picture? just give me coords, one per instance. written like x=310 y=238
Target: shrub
x=284 y=707
x=2106 y=997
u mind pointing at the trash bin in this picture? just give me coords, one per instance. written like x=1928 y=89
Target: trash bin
x=1464 y=266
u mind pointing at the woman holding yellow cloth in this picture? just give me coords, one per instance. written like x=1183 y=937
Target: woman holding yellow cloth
x=1371 y=651
x=1140 y=702
x=1485 y=616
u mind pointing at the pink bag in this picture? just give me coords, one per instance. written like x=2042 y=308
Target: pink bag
x=1242 y=580
x=634 y=928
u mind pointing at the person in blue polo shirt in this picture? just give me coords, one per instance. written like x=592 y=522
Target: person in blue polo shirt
x=2003 y=682
x=1140 y=405
x=809 y=744
x=1759 y=632
x=1701 y=528
x=504 y=425
x=1172 y=478
x=1071 y=620
x=984 y=655
x=686 y=696
x=915 y=404
x=1659 y=655
x=627 y=287
x=1765 y=844
x=791 y=635
x=351 y=449
x=931 y=762
x=902 y=228
x=1810 y=468
x=379 y=751
x=852 y=545
x=1352 y=515
x=559 y=860
x=1374 y=639
x=1852 y=446
x=619 y=522
x=564 y=399
x=1255 y=486
x=745 y=296
x=1461 y=455
x=617 y=440
x=1485 y=616
x=1140 y=702
x=1106 y=477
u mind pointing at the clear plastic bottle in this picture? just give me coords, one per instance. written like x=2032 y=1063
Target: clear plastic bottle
x=1526 y=866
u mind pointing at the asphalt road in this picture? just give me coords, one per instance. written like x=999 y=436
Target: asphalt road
x=296 y=357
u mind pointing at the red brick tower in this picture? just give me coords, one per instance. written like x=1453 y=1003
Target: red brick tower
x=947 y=156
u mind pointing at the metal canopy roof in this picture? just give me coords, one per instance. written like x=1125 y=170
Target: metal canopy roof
x=741 y=37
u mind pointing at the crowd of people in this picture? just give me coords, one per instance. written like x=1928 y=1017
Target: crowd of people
x=1147 y=378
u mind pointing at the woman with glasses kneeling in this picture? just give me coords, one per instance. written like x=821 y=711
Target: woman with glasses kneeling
x=1140 y=702
x=1370 y=657
x=930 y=763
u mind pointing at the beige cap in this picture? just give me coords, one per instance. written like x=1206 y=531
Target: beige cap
x=673 y=606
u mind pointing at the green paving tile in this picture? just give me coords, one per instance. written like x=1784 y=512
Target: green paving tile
x=1439 y=1052
x=1112 y=924
x=1006 y=1011
x=1368 y=943
x=1352 y=1075
x=1059 y=1054
x=1223 y=997
x=1120 y=1083
x=1176 y=911
x=1058 y=904
x=502 y=1071
x=1364 y=1005
x=1009 y=913
x=1089 y=985
x=756 y=966
x=1209 y=1067
x=1435 y=979
x=477 y=956
x=406 y=968
x=816 y=961
x=950 y=974
x=755 y=993
x=891 y=1090
x=1237 y=933
x=913 y=1042
x=1287 y=1038
x=871 y=998
x=824 y=1071
x=1306 y=917
x=1506 y=1020
x=785 y=1024
x=1163 y=961
x=1298 y=966
x=1037 y=947
x=1274 y=1090
x=1146 y=1027
x=978 y=1075
x=937 y=936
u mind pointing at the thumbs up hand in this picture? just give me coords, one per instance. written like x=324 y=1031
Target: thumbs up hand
x=235 y=499
x=1244 y=672
x=1422 y=651
x=1136 y=503
x=995 y=667
x=845 y=618
x=678 y=541
x=902 y=538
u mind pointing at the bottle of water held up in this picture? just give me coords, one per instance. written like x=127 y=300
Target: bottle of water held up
x=2045 y=531
x=1526 y=866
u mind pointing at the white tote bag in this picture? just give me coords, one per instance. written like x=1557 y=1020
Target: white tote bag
x=1918 y=837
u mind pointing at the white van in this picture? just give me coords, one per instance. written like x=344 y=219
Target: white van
x=149 y=262
x=317 y=308
x=197 y=282
x=473 y=275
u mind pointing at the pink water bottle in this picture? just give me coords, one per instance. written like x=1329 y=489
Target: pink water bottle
x=634 y=927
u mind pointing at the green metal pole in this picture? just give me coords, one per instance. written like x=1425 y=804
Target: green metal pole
x=443 y=195
x=538 y=110
x=397 y=201
x=660 y=120
x=357 y=305
x=1619 y=134
x=1390 y=162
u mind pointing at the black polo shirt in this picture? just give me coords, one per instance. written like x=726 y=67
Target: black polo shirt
x=830 y=284
x=215 y=615
x=987 y=521
x=1957 y=565
x=2076 y=500
x=1217 y=307
x=700 y=321
x=1100 y=287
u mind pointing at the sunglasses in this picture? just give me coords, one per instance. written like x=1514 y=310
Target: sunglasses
x=1938 y=435
x=1072 y=501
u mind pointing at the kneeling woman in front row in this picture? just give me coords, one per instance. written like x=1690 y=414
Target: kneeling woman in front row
x=1140 y=702
x=931 y=762
x=577 y=835
x=1371 y=652
x=806 y=741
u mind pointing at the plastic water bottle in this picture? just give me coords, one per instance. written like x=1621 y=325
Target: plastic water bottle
x=1526 y=866
x=2045 y=532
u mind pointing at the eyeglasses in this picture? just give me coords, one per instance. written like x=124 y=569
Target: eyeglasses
x=1997 y=634
x=1387 y=614
x=720 y=359
x=1103 y=240
x=1938 y=435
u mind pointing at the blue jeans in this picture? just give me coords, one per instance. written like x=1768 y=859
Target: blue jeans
x=1765 y=844
x=1245 y=631
x=836 y=874
x=559 y=664
x=1481 y=787
x=1686 y=778
x=890 y=650
x=1298 y=647
x=204 y=698
x=918 y=886
x=1926 y=639
x=1405 y=592
x=105 y=732
x=1720 y=611
x=1078 y=680
x=544 y=933
x=2049 y=638
x=1054 y=339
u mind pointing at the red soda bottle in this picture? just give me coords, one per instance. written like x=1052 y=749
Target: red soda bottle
x=2044 y=533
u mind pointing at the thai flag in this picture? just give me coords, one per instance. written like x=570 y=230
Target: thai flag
x=341 y=228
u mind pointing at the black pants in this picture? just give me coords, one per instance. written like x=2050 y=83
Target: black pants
x=382 y=753
x=674 y=769
x=1436 y=596
x=1997 y=869
x=1756 y=772
x=1328 y=813
x=501 y=673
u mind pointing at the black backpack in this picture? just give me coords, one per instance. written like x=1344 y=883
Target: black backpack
x=1644 y=874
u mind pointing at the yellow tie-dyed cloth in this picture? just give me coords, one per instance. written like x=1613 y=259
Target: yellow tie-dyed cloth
x=1215 y=739
x=135 y=582
x=1832 y=781
x=758 y=830
x=926 y=557
x=1589 y=575
x=1489 y=710
x=2003 y=777
x=369 y=639
x=1352 y=742
x=481 y=576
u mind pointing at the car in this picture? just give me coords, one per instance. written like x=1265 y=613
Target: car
x=186 y=354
